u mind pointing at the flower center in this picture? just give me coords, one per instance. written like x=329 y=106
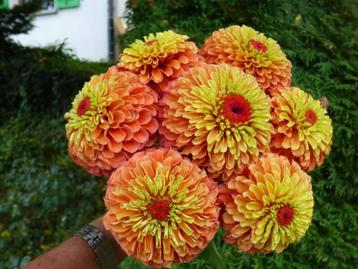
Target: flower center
x=151 y=42
x=236 y=108
x=285 y=215
x=83 y=106
x=311 y=116
x=159 y=209
x=258 y=45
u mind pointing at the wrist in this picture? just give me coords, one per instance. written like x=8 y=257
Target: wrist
x=98 y=223
x=107 y=252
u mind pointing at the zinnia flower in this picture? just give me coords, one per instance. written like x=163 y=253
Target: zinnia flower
x=160 y=57
x=268 y=207
x=114 y=70
x=218 y=115
x=161 y=208
x=111 y=118
x=252 y=52
x=303 y=130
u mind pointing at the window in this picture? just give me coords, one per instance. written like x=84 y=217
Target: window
x=67 y=3
x=4 y=4
x=51 y=5
x=48 y=4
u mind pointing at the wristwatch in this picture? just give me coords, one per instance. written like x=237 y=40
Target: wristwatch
x=100 y=245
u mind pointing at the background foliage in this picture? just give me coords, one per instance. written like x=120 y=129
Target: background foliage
x=45 y=197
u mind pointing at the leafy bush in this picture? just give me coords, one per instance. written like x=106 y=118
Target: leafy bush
x=16 y=21
x=45 y=197
x=36 y=79
x=41 y=79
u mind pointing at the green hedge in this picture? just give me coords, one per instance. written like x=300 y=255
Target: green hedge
x=41 y=79
x=44 y=197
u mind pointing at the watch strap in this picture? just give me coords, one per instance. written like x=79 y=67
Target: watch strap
x=100 y=245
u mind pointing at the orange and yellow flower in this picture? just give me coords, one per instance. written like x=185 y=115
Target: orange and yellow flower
x=252 y=52
x=161 y=208
x=217 y=115
x=268 y=207
x=302 y=129
x=160 y=57
x=111 y=118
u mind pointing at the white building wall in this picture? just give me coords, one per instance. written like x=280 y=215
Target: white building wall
x=119 y=7
x=84 y=29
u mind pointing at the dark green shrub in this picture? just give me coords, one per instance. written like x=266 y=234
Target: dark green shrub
x=37 y=79
x=41 y=79
x=16 y=21
x=45 y=197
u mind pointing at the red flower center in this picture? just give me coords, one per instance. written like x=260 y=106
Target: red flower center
x=236 y=108
x=83 y=106
x=151 y=42
x=258 y=45
x=311 y=116
x=159 y=209
x=285 y=215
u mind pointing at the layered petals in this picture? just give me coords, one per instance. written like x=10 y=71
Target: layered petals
x=160 y=57
x=161 y=208
x=217 y=115
x=112 y=117
x=302 y=129
x=267 y=207
x=252 y=52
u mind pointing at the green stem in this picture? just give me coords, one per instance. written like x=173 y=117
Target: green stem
x=212 y=256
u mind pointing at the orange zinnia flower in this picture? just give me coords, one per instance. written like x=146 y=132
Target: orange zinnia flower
x=252 y=52
x=219 y=116
x=160 y=57
x=161 y=208
x=111 y=118
x=302 y=129
x=268 y=207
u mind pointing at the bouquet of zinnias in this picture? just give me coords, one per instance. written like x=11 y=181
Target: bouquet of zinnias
x=193 y=139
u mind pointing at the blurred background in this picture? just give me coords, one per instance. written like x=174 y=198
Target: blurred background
x=88 y=28
x=48 y=49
